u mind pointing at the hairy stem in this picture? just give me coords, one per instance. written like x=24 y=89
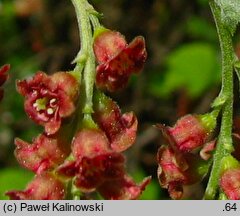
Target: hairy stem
x=86 y=55
x=224 y=144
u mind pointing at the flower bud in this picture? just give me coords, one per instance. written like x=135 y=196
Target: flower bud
x=190 y=132
x=230 y=183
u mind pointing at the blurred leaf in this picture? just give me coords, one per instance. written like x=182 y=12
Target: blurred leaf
x=198 y=27
x=193 y=67
x=230 y=10
x=13 y=179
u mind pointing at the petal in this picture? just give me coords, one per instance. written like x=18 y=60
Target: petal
x=126 y=137
x=43 y=154
x=207 y=149
x=107 y=44
x=67 y=169
x=94 y=171
x=53 y=125
x=189 y=133
x=67 y=83
x=123 y=189
x=39 y=80
x=120 y=129
x=90 y=143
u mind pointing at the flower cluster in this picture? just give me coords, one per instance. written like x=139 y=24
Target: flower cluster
x=184 y=161
x=83 y=151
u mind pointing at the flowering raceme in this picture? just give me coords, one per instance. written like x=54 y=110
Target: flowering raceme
x=85 y=133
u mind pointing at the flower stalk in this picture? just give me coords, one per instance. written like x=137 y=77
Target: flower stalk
x=224 y=143
x=85 y=59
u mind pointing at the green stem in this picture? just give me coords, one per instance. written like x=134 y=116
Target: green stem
x=86 y=55
x=224 y=144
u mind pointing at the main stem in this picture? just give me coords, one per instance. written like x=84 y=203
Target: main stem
x=85 y=58
x=224 y=144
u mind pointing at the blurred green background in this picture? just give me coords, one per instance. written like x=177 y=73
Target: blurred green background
x=182 y=73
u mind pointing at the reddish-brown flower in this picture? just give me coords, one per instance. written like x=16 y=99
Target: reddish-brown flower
x=120 y=129
x=96 y=166
x=43 y=187
x=43 y=154
x=188 y=133
x=173 y=175
x=93 y=172
x=49 y=99
x=3 y=77
x=230 y=183
x=117 y=60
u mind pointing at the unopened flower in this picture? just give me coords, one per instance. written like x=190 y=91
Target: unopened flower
x=43 y=154
x=117 y=59
x=3 y=77
x=189 y=133
x=230 y=183
x=43 y=187
x=120 y=129
x=49 y=99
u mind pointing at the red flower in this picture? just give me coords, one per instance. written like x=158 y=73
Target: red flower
x=173 y=175
x=120 y=129
x=43 y=154
x=96 y=166
x=188 y=133
x=49 y=99
x=43 y=187
x=117 y=60
x=93 y=172
x=3 y=77
x=230 y=183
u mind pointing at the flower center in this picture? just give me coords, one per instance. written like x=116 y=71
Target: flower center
x=46 y=104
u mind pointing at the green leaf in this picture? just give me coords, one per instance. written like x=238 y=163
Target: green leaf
x=230 y=10
x=13 y=179
x=193 y=67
